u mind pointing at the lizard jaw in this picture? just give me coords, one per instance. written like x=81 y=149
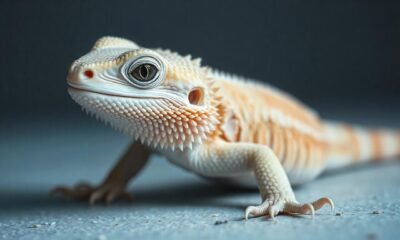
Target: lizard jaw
x=156 y=122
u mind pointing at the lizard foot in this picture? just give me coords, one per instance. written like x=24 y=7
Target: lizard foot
x=107 y=192
x=273 y=208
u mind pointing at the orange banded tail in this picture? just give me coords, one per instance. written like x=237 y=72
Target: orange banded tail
x=350 y=144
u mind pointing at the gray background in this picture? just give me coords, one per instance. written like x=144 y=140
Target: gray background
x=341 y=57
x=317 y=50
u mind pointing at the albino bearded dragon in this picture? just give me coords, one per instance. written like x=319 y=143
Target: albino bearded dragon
x=214 y=124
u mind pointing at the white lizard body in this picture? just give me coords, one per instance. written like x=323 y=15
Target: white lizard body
x=214 y=124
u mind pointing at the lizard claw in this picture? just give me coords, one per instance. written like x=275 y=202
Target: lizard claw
x=113 y=194
x=273 y=208
x=322 y=202
x=257 y=210
x=106 y=192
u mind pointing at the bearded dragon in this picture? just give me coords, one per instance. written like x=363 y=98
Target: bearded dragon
x=217 y=125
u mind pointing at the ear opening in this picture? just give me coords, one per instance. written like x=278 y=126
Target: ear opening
x=196 y=96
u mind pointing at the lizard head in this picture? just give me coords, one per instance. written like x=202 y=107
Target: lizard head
x=157 y=96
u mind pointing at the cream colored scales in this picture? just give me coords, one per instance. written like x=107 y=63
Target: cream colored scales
x=213 y=124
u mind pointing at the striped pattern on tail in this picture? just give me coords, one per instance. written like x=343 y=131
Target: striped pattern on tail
x=352 y=144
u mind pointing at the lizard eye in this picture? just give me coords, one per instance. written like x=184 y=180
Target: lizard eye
x=144 y=72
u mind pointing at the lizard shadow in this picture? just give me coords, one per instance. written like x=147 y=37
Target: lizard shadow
x=170 y=194
x=193 y=194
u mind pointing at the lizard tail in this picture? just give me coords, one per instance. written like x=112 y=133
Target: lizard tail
x=351 y=144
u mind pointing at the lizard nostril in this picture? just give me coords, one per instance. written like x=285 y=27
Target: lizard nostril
x=88 y=73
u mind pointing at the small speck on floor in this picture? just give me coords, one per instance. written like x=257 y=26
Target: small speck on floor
x=35 y=226
x=219 y=222
x=376 y=212
x=372 y=236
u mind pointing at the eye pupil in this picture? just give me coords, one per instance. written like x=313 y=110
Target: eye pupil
x=144 y=72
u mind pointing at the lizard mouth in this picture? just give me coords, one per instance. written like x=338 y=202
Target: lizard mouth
x=75 y=89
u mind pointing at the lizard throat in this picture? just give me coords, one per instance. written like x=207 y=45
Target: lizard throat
x=156 y=122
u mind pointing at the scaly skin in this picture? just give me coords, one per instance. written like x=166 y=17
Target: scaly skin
x=213 y=124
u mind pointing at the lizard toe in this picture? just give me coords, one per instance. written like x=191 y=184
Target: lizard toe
x=322 y=202
x=72 y=193
x=106 y=192
x=97 y=195
x=307 y=208
x=256 y=211
x=267 y=208
x=117 y=193
x=273 y=208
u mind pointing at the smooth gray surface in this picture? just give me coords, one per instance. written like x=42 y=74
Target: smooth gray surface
x=37 y=153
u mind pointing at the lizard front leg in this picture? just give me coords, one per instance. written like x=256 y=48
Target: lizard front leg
x=115 y=183
x=220 y=159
